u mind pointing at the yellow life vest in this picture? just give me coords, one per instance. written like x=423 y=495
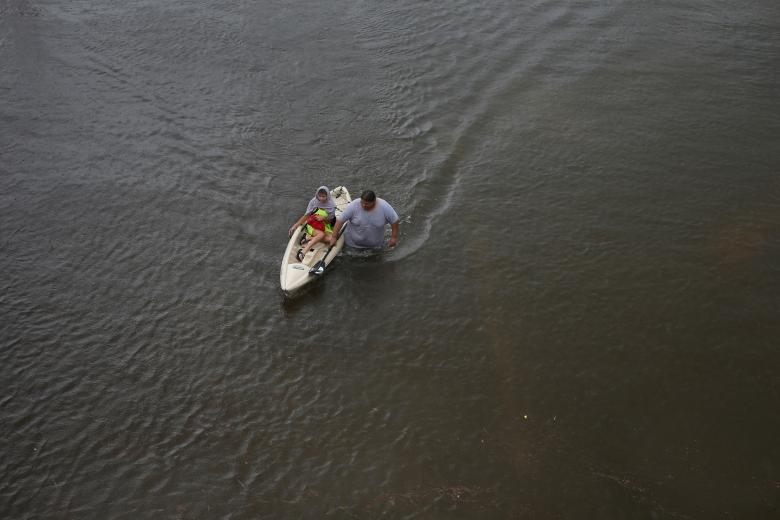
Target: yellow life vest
x=322 y=213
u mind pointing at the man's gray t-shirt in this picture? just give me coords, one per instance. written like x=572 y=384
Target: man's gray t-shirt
x=366 y=229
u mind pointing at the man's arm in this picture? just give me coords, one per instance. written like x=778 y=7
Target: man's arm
x=335 y=235
x=394 y=236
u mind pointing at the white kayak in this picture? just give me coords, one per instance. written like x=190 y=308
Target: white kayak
x=294 y=274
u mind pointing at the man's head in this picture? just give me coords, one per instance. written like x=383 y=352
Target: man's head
x=368 y=200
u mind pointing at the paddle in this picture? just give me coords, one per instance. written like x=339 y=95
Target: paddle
x=319 y=268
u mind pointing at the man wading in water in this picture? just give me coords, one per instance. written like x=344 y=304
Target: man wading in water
x=367 y=219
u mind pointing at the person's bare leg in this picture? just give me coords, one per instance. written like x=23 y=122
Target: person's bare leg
x=318 y=235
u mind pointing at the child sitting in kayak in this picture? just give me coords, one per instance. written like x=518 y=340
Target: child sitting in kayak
x=318 y=218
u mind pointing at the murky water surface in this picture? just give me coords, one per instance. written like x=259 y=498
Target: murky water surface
x=580 y=320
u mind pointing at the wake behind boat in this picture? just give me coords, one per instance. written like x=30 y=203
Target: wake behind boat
x=295 y=273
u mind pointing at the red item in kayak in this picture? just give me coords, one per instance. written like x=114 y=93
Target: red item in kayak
x=316 y=224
